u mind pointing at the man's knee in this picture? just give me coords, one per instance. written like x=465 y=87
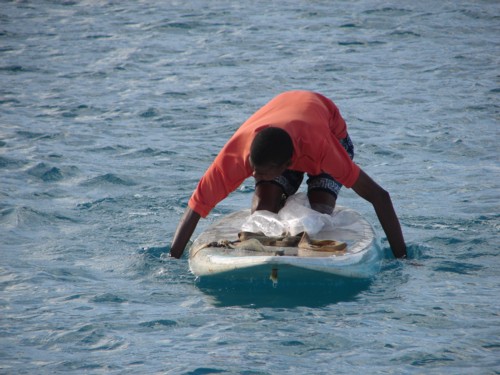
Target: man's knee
x=268 y=196
x=322 y=201
x=323 y=208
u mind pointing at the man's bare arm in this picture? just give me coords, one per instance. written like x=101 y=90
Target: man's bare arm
x=368 y=189
x=184 y=231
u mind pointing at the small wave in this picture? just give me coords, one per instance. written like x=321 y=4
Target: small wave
x=108 y=178
x=292 y=343
x=8 y=163
x=45 y=173
x=349 y=25
x=35 y=135
x=478 y=14
x=149 y=113
x=49 y=173
x=417 y=251
x=109 y=149
x=388 y=11
x=458 y=267
x=176 y=25
x=70 y=274
x=20 y=216
x=90 y=205
x=404 y=33
x=175 y=94
x=436 y=360
x=108 y=298
x=351 y=43
x=230 y=102
x=9 y=101
x=150 y=260
x=354 y=43
x=98 y=36
x=17 y=69
x=155 y=252
x=87 y=337
x=161 y=323
x=148 y=151
x=155 y=262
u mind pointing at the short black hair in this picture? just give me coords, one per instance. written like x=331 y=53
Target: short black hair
x=271 y=146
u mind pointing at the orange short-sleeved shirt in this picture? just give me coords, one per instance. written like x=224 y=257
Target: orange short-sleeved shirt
x=315 y=125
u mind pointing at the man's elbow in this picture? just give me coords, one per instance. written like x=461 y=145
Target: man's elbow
x=381 y=196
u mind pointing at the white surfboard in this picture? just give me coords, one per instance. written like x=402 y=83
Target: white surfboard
x=361 y=259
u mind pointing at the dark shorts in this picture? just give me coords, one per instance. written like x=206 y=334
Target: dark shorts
x=290 y=180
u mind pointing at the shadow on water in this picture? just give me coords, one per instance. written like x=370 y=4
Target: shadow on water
x=308 y=290
x=256 y=290
x=222 y=293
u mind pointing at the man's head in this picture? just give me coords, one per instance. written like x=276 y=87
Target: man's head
x=270 y=153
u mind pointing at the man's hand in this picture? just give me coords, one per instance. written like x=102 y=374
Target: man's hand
x=184 y=231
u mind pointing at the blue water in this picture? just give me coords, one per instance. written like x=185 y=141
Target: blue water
x=110 y=111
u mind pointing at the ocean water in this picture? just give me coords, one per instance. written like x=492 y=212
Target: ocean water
x=110 y=111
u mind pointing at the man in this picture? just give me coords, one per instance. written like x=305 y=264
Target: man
x=297 y=132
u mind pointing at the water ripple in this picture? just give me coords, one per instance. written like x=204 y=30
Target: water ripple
x=110 y=113
x=107 y=179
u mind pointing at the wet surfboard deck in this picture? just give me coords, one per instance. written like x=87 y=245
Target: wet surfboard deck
x=361 y=258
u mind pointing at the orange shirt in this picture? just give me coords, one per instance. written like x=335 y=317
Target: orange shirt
x=315 y=125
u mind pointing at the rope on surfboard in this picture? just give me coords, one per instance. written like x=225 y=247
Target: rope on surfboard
x=250 y=241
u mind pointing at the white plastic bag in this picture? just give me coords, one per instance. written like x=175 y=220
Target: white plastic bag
x=295 y=217
x=265 y=222
x=298 y=216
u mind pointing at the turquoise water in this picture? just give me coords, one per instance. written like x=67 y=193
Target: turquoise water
x=111 y=111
